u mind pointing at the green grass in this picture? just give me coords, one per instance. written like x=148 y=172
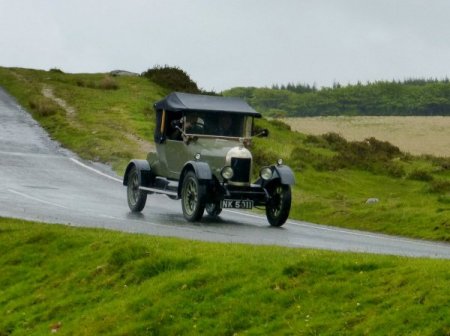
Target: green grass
x=92 y=282
x=407 y=206
x=114 y=121
x=107 y=125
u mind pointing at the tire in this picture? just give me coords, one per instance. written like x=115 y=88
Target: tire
x=213 y=209
x=136 y=197
x=192 y=198
x=279 y=205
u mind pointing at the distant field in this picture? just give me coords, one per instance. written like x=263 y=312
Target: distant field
x=416 y=135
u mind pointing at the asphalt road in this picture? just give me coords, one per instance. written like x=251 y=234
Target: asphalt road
x=41 y=181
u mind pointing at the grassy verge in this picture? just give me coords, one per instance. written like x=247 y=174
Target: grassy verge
x=110 y=119
x=92 y=282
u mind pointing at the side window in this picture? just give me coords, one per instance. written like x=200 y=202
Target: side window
x=172 y=121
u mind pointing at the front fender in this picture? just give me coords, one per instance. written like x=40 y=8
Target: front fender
x=201 y=169
x=144 y=172
x=279 y=172
x=284 y=173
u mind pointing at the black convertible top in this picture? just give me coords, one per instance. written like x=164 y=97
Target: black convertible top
x=177 y=101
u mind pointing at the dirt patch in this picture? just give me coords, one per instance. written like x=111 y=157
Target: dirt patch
x=47 y=91
x=144 y=145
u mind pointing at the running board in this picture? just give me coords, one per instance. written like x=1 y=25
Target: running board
x=159 y=191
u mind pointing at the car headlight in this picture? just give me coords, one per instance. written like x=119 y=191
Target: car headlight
x=227 y=172
x=265 y=173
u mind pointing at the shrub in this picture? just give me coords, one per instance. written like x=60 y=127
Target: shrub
x=43 y=106
x=276 y=113
x=444 y=199
x=300 y=157
x=371 y=155
x=440 y=186
x=383 y=148
x=56 y=70
x=81 y=82
x=394 y=170
x=420 y=175
x=335 y=141
x=108 y=83
x=262 y=157
x=172 y=78
x=442 y=162
x=316 y=140
x=280 y=125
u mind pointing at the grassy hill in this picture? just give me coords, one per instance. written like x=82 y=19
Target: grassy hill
x=110 y=119
x=57 y=279
x=412 y=97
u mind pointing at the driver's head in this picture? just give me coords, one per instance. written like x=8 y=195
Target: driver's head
x=225 y=121
x=191 y=118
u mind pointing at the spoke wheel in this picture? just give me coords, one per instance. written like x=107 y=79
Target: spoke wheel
x=279 y=205
x=136 y=197
x=213 y=209
x=192 y=198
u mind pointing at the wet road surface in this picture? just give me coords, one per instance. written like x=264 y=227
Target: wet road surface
x=41 y=181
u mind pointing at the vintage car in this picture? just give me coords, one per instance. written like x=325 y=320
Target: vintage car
x=203 y=158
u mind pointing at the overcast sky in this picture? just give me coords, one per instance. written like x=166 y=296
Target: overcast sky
x=227 y=43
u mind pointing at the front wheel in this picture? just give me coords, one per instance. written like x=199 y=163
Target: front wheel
x=213 y=209
x=192 y=198
x=135 y=196
x=279 y=205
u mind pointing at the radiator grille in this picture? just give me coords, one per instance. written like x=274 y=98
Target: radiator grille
x=241 y=168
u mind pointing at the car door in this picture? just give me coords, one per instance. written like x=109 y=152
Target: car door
x=177 y=154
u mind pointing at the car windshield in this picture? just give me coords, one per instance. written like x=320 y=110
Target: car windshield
x=218 y=124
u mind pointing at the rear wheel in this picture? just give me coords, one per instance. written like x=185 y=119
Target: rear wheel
x=192 y=198
x=213 y=209
x=135 y=196
x=279 y=205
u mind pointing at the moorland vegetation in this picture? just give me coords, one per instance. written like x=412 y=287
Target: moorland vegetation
x=58 y=279
x=111 y=120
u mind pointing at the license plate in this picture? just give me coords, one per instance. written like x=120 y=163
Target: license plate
x=236 y=204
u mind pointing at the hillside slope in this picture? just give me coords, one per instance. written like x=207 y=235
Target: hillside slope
x=110 y=119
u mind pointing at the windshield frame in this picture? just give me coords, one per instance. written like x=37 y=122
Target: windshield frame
x=217 y=124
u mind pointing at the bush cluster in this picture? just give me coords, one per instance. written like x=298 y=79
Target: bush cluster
x=440 y=186
x=371 y=154
x=106 y=83
x=43 y=106
x=442 y=162
x=420 y=175
x=262 y=157
x=172 y=78
x=56 y=70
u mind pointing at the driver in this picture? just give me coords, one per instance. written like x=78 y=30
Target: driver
x=191 y=124
x=225 y=125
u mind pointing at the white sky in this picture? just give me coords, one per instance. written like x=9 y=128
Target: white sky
x=227 y=43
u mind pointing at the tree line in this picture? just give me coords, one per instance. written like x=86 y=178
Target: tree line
x=411 y=97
